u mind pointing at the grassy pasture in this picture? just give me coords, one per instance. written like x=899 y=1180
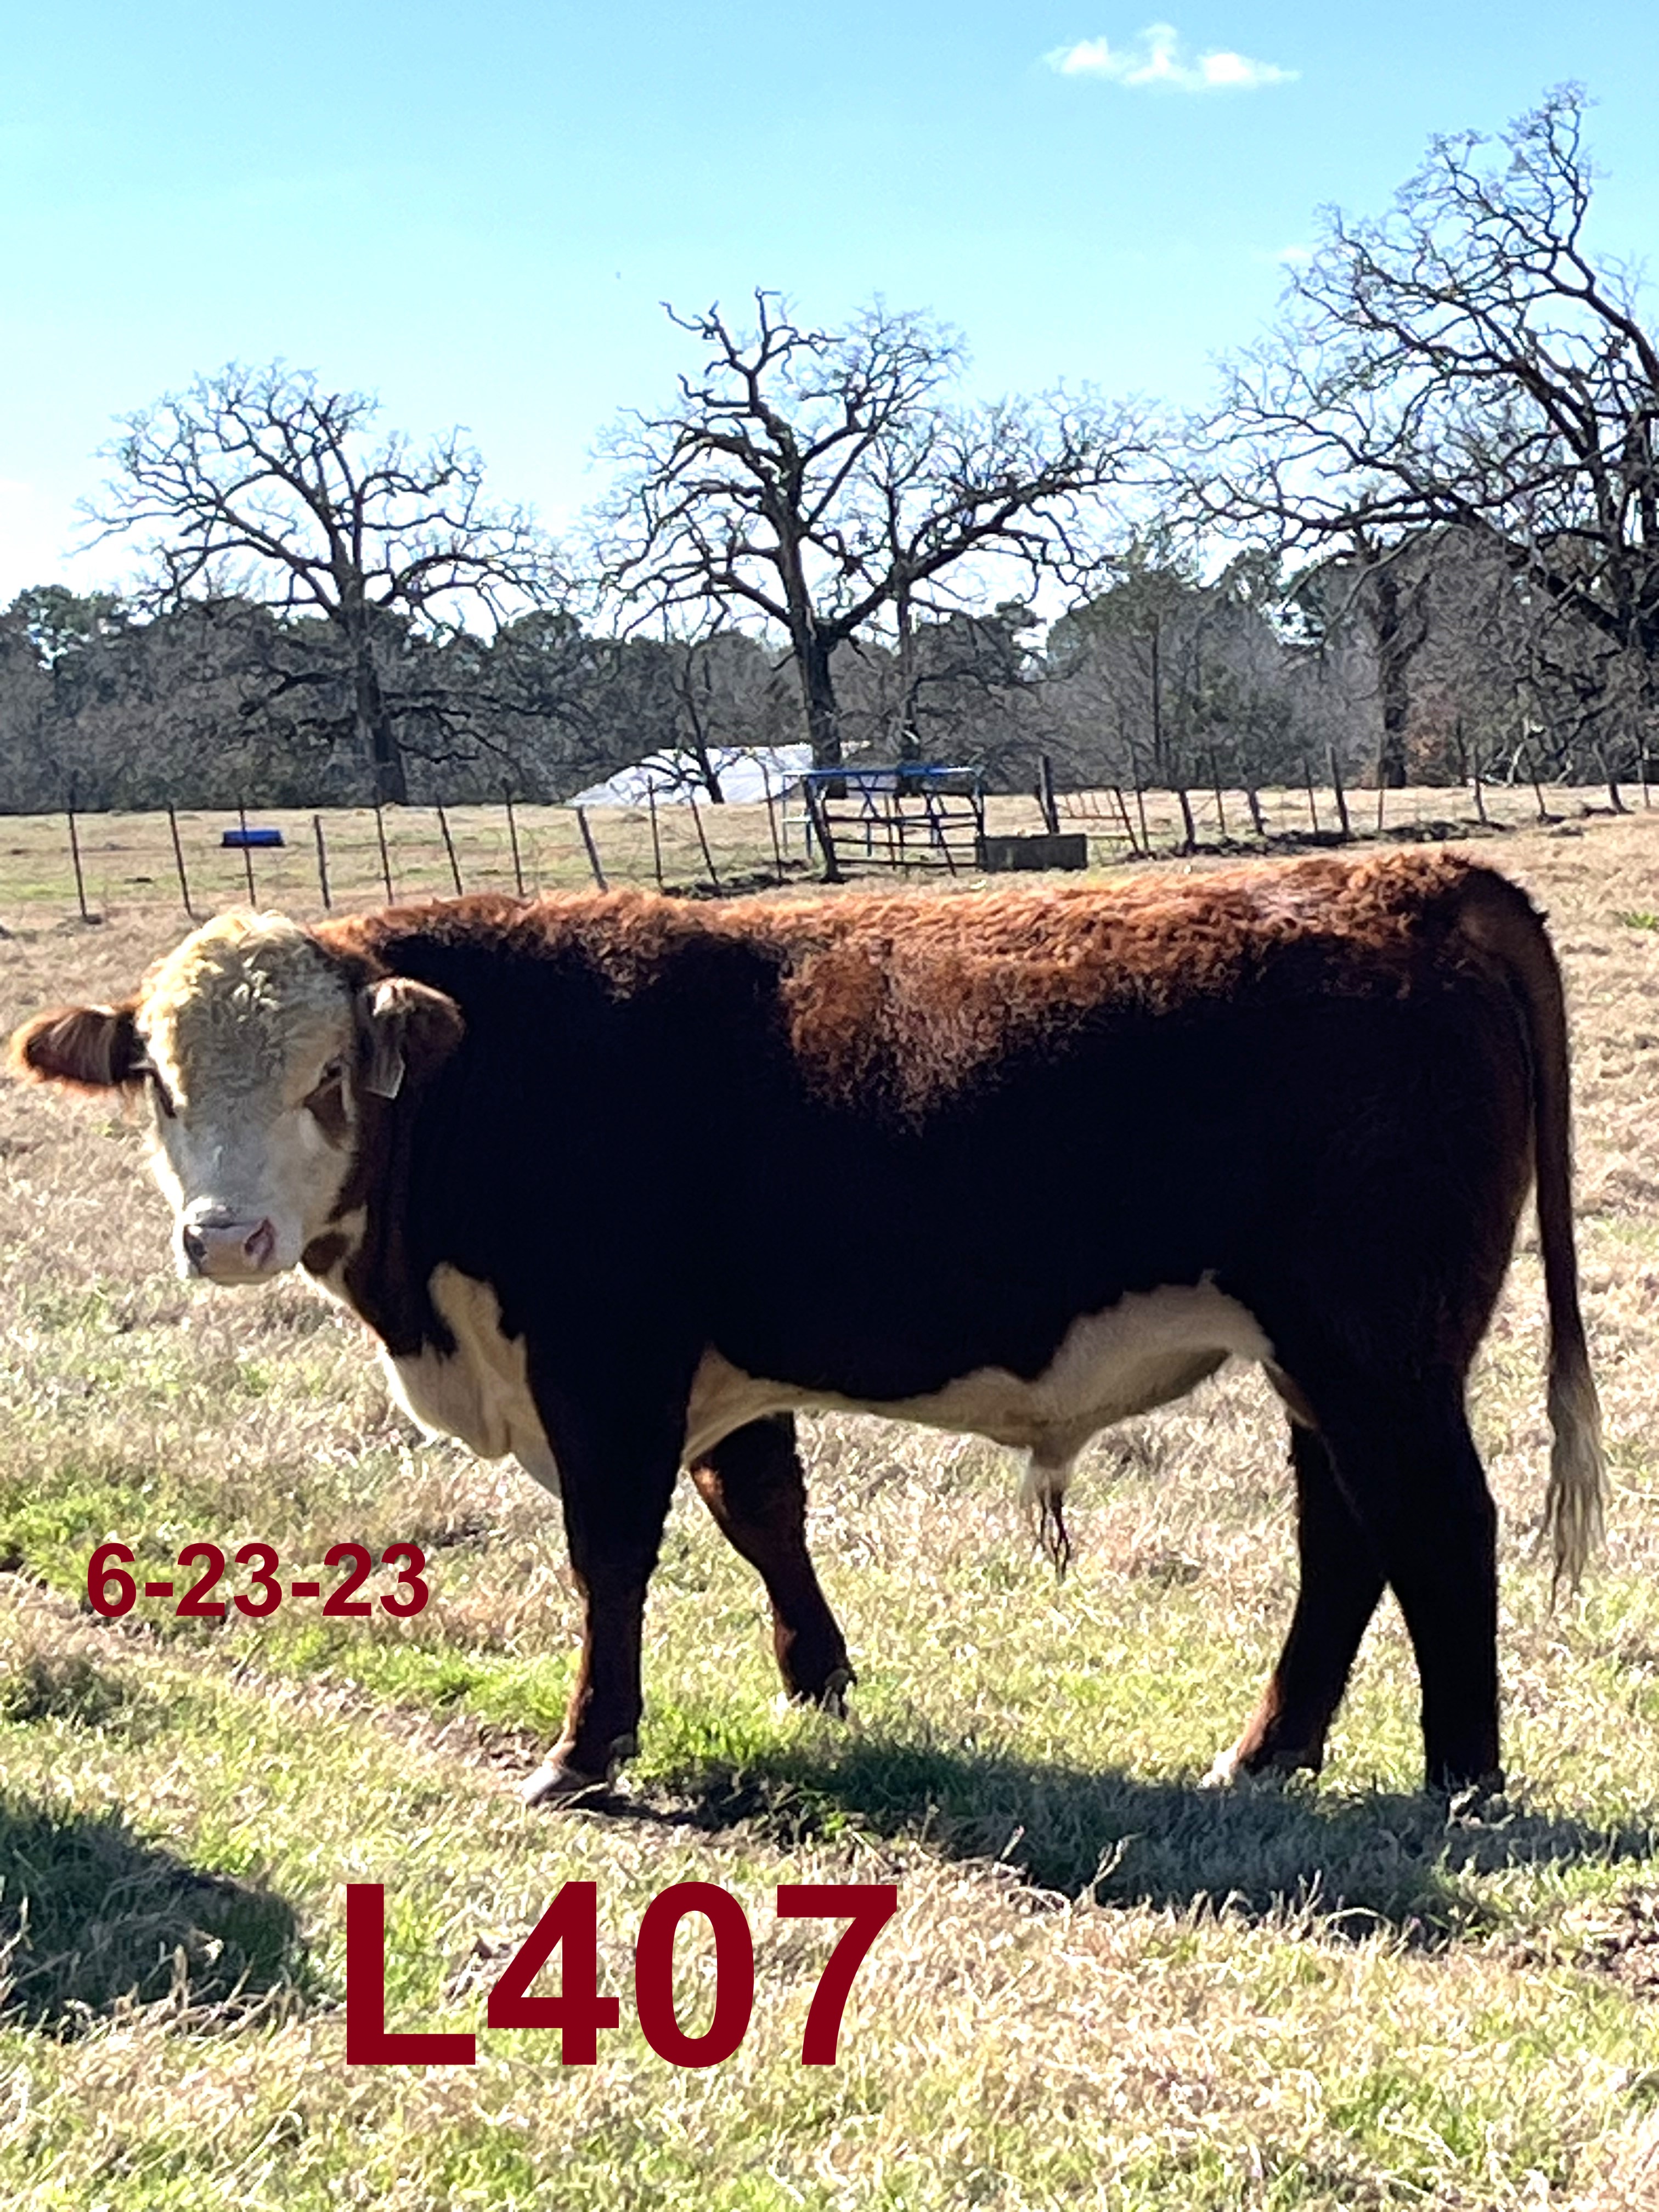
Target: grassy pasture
x=1104 y=1987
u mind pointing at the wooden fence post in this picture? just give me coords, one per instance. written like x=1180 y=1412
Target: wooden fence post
x=512 y=833
x=1341 y=796
x=322 y=863
x=385 y=857
x=696 y=819
x=592 y=849
x=1253 y=800
x=1190 y=844
x=1128 y=826
x=449 y=848
x=247 y=857
x=75 y=855
x=1215 y=780
x=656 y=834
x=1313 y=810
x=179 y=861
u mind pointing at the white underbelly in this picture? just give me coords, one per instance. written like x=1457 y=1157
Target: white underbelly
x=1151 y=1347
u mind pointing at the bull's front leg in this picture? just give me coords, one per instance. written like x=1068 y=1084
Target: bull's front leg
x=617 y=1466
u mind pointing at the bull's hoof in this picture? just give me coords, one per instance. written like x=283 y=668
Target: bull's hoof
x=829 y=1697
x=1232 y=1768
x=1226 y=1769
x=832 y=1698
x=558 y=1781
x=1465 y=1799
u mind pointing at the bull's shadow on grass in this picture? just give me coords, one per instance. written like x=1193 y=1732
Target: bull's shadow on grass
x=1358 y=1860
x=92 y=1919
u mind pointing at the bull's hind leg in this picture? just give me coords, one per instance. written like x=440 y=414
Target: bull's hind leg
x=1408 y=1464
x=1341 y=1580
x=752 y=1484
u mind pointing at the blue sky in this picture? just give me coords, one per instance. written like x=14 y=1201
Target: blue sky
x=476 y=213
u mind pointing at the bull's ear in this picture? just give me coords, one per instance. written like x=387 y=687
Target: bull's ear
x=84 y=1047
x=407 y=1026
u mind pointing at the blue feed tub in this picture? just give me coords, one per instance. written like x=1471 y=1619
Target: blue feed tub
x=240 y=838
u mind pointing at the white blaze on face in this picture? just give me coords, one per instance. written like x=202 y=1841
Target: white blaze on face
x=249 y=1028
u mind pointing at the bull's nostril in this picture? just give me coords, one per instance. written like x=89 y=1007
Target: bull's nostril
x=195 y=1248
x=261 y=1245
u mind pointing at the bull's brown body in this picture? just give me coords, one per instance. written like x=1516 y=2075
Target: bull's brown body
x=1293 y=1113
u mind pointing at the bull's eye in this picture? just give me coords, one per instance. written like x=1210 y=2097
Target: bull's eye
x=326 y=1099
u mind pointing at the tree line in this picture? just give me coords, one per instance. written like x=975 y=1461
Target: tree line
x=1418 y=527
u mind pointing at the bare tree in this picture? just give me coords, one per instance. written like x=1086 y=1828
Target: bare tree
x=1464 y=362
x=258 y=483
x=1165 y=678
x=1382 y=590
x=824 y=482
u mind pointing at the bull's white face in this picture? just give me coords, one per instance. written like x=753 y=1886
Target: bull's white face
x=255 y=1049
x=250 y=1050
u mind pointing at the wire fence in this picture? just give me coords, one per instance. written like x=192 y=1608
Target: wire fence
x=201 y=861
x=99 y=864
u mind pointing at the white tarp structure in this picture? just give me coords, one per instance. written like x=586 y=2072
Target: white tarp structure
x=744 y=772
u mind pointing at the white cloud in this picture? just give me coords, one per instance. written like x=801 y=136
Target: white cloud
x=1157 y=57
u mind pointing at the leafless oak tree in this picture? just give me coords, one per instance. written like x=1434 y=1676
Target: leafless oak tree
x=1467 y=362
x=825 y=482
x=257 y=482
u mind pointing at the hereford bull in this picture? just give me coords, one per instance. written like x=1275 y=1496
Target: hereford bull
x=549 y=1152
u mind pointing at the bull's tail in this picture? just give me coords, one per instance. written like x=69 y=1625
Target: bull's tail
x=1503 y=923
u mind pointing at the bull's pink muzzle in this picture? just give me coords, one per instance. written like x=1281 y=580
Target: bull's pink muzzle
x=229 y=1251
